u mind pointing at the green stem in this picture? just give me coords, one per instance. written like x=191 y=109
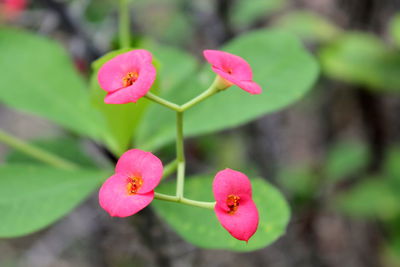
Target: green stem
x=180 y=155
x=170 y=168
x=186 y=201
x=36 y=152
x=163 y=102
x=207 y=93
x=124 y=25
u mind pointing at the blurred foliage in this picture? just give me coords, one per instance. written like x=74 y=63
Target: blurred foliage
x=392 y=164
x=395 y=29
x=201 y=227
x=354 y=57
x=97 y=10
x=309 y=26
x=230 y=150
x=168 y=20
x=391 y=253
x=376 y=197
x=346 y=159
x=246 y=13
x=371 y=198
x=363 y=59
x=302 y=182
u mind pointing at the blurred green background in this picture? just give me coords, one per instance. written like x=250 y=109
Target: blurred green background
x=335 y=153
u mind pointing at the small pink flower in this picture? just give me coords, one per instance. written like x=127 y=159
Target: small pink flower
x=127 y=77
x=235 y=208
x=233 y=69
x=131 y=188
x=10 y=9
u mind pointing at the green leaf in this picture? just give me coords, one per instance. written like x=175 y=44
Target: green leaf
x=308 y=26
x=201 y=227
x=33 y=197
x=66 y=147
x=362 y=59
x=345 y=159
x=38 y=77
x=280 y=65
x=395 y=29
x=373 y=198
x=174 y=66
x=244 y=13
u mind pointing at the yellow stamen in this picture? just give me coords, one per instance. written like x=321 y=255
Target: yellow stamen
x=129 y=79
x=134 y=184
x=232 y=202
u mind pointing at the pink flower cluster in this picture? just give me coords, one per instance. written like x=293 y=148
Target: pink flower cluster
x=128 y=77
x=137 y=173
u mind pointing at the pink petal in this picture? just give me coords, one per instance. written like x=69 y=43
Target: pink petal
x=114 y=198
x=250 y=86
x=224 y=62
x=230 y=182
x=136 y=91
x=243 y=223
x=136 y=162
x=111 y=74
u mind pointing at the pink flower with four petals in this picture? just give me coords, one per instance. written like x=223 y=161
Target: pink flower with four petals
x=127 y=77
x=131 y=188
x=235 y=208
x=233 y=69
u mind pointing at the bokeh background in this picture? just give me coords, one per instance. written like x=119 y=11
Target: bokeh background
x=335 y=154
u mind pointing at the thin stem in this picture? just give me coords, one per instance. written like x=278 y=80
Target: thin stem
x=170 y=168
x=213 y=89
x=165 y=197
x=207 y=93
x=186 y=201
x=180 y=155
x=36 y=152
x=200 y=204
x=163 y=102
x=124 y=25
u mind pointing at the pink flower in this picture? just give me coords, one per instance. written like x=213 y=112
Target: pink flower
x=127 y=77
x=10 y=9
x=233 y=69
x=131 y=188
x=235 y=208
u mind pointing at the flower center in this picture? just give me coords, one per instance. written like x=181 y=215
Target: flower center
x=228 y=70
x=232 y=202
x=129 y=79
x=133 y=185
